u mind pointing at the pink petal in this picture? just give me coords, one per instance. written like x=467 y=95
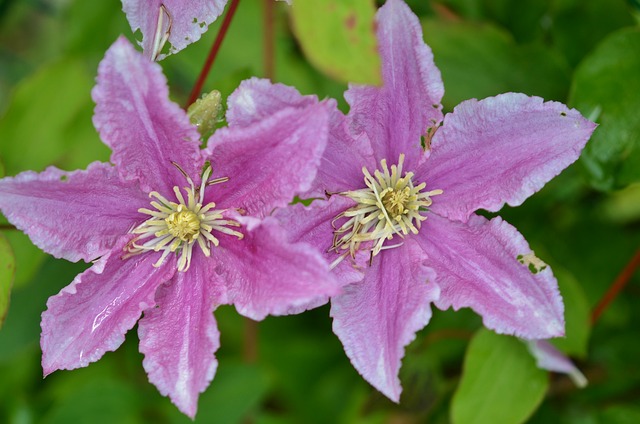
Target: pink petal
x=501 y=149
x=312 y=225
x=477 y=266
x=551 y=359
x=136 y=119
x=256 y=99
x=91 y=315
x=344 y=157
x=179 y=336
x=395 y=115
x=189 y=20
x=72 y=215
x=265 y=274
x=376 y=318
x=268 y=162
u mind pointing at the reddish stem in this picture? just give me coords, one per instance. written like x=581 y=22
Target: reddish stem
x=213 y=53
x=617 y=286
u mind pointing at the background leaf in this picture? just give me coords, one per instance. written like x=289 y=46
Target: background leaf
x=479 y=60
x=500 y=382
x=606 y=84
x=7 y=272
x=48 y=121
x=338 y=37
x=577 y=314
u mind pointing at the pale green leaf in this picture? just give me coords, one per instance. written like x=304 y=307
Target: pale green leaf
x=500 y=382
x=577 y=315
x=338 y=37
x=7 y=272
x=48 y=121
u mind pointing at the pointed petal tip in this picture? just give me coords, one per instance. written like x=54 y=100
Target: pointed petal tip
x=392 y=391
x=549 y=358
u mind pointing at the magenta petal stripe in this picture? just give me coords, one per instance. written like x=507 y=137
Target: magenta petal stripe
x=376 y=318
x=179 y=337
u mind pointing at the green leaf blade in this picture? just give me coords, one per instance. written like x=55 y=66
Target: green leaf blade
x=500 y=383
x=338 y=38
x=7 y=273
x=606 y=85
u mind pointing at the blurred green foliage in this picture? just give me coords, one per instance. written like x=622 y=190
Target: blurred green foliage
x=585 y=223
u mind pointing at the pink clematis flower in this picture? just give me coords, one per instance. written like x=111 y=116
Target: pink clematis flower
x=177 y=21
x=177 y=230
x=403 y=182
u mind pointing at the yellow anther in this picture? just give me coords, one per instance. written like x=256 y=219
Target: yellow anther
x=183 y=225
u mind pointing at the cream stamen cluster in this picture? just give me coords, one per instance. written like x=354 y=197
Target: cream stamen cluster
x=179 y=226
x=390 y=205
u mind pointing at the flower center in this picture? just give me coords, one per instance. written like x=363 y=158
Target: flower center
x=396 y=201
x=183 y=224
x=390 y=205
x=179 y=226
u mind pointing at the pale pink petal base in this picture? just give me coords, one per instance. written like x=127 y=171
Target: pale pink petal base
x=179 y=336
x=267 y=162
x=395 y=115
x=267 y=275
x=189 y=20
x=500 y=150
x=376 y=318
x=136 y=119
x=72 y=215
x=477 y=267
x=91 y=315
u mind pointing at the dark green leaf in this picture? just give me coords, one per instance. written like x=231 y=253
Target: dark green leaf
x=621 y=414
x=480 y=60
x=99 y=401
x=577 y=26
x=22 y=327
x=606 y=85
x=234 y=392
